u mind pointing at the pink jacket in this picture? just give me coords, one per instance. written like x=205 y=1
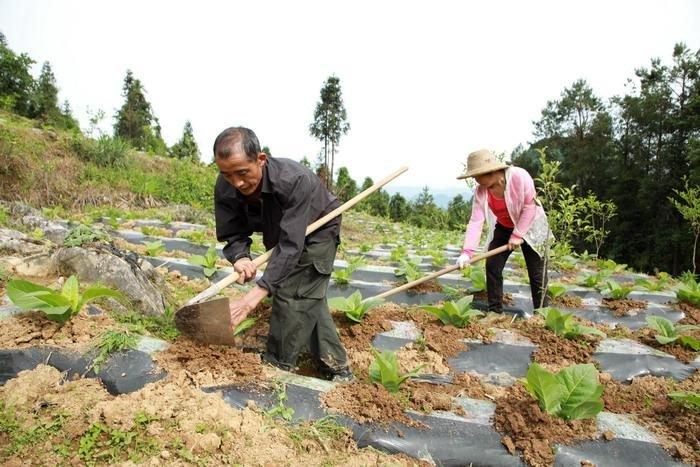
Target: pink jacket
x=528 y=216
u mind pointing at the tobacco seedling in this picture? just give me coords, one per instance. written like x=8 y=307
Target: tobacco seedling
x=244 y=325
x=615 y=290
x=58 y=306
x=663 y=281
x=477 y=276
x=353 y=306
x=610 y=266
x=459 y=314
x=208 y=261
x=573 y=393
x=556 y=289
x=667 y=332
x=397 y=254
x=385 y=370
x=564 y=325
x=689 y=290
x=154 y=248
x=409 y=271
x=342 y=276
x=591 y=280
x=690 y=400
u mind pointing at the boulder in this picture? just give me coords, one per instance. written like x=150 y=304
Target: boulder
x=112 y=268
x=20 y=244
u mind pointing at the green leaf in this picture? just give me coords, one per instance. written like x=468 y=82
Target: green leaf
x=663 y=326
x=544 y=387
x=589 y=330
x=339 y=303
x=71 y=291
x=688 y=399
x=17 y=289
x=244 y=326
x=197 y=260
x=690 y=341
x=581 y=387
x=588 y=409
x=208 y=272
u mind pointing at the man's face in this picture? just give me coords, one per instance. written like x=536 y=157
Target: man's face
x=243 y=174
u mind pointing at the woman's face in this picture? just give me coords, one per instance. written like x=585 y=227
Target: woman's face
x=488 y=180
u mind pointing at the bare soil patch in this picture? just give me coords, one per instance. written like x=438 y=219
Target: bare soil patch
x=646 y=399
x=367 y=403
x=692 y=313
x=33 y=328
x=553 y=349
x=624 y=306
x=568 y=301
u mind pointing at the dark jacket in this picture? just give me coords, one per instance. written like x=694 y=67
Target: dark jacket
x=291 y=198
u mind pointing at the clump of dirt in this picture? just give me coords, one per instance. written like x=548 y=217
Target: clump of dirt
x=33 y=328
x=692 y=313
x=568 y=301
x=367 y=403
x=209 y=365
x=444 y=339
x=423 y=287
x=682 y=353
x=409 y=358
x=425 y=397
x=646 y=399
x=553 y=349
x=469 y=385
x=526 y=427
x=624 y=306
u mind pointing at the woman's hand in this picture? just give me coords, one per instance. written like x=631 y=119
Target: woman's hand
x=514 y=242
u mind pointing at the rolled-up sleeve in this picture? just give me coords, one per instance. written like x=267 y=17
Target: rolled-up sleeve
x=295 y=219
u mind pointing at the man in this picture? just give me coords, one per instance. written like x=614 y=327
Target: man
x=280 y=198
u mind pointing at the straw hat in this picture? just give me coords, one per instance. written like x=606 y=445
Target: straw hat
x=481 y=162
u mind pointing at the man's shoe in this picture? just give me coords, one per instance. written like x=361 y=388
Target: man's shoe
x=342 y=376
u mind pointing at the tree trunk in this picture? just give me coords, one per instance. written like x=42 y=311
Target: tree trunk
x=330 y=176
x=695 y=247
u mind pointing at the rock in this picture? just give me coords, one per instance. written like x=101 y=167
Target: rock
x=111 y=271
x=39 y=265
x=17 y=242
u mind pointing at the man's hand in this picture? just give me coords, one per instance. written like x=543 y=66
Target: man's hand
x=514 y=242
x=241 y=308
x=246 y=270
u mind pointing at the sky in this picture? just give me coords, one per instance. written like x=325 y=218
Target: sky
x=424 y=83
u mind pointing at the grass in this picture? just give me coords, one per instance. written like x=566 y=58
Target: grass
x=111 y=342
x=162 y=327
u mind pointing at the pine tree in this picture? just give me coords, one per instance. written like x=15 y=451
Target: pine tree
x=186 y=147
x=330 y=123
x=135 y=120
x=345 y=186
x=45 y=99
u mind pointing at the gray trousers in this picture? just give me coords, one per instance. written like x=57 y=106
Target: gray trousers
x=300 y=317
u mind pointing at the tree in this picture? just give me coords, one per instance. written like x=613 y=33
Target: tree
x=45 y=99
x=135 y=121
x=345 y=186
x=266 y=150
x=424 y=211
x=16 y=82
x=330 y=123
x=187 y=147
x=458 y=213
x=398 y=208
x=305 y=162
x=689 y=207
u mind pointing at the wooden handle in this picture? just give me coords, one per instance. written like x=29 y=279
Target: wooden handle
x=439 y=273
x=262 y=259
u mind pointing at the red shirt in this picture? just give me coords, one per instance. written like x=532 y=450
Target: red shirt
x=498 y=207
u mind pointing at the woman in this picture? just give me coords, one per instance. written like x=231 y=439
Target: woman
x=506 y=197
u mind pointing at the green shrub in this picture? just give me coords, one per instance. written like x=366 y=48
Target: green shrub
x=353 y=306
x=82 y=234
